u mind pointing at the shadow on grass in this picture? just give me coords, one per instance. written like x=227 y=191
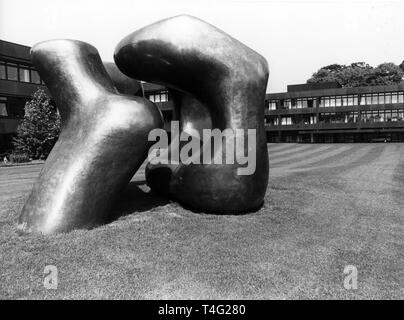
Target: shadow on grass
x=253 y=210
x=134 y=200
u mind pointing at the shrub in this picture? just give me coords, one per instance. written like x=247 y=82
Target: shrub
x=39 y=130
x=19 y=157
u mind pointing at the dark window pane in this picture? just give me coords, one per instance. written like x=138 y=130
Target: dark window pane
x=2 y=71
x=3 y=109
x=16 y=107
x=35 y=77
x=12 y=72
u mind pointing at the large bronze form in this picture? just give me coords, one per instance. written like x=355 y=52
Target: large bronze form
x=218 y=82
x=103 y=140
x=123 y=83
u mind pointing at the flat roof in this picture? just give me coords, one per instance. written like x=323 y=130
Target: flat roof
x=335 y=91
x=15 y=51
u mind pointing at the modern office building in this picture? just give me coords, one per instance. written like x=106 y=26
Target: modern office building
x=161 y=97
x=325 y=112
x=322 y=112
x=18 y=81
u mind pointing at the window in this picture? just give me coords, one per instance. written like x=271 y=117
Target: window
x=382 y=116
x=332 y=101
x=159 y=97
x=272 y=104
x=3 y=70
x=273 y=121
x=19 y=72
x=381 y=98
x=388 y=115
x=375 y=99
x=313 y=119
x=287 y=104
x=352 y=117
x=387 y=98
x=338 y=101
x=367 y=99
x=3 y=109
x=12 y=73
x=35 y=77
x=302 y=103
x=339 y=117
x=394 y=97
x=376 y=116
x=24 y=75
x=311 y=103
x=303 y=119
x=326 y=101
x=286 y=121
x=164 y=97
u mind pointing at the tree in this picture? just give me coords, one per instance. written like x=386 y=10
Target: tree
x=385 y=74
x=328 y=73
x=40 y=128
x=359 y=74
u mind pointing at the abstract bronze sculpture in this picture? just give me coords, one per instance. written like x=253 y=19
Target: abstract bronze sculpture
x=218 y=80
x=215 y=81
x=103 y=140
x=123 y=83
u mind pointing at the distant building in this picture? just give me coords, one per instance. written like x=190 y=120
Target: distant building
x=18 y=81
x=323 y=112
x=329 y=113
x=161 y=97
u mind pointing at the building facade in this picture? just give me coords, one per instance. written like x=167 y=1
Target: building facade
x=329 y=113
x=162 y=98
x=18 y=81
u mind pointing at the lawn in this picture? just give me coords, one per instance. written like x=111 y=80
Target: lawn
x=327 y=206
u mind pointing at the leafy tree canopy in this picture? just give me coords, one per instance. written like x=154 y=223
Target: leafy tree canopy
x=40 y=128
x=360 y=74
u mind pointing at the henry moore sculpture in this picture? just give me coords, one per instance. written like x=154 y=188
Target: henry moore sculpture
x=215 y=81
x=103 y=140
x=219 y=81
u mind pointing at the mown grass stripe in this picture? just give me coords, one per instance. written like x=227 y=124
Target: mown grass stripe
x=299 y=156
x=283 y=153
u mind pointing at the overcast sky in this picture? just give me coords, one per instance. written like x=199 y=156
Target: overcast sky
x=296 y=37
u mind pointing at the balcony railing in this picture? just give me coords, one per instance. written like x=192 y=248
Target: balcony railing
x=329 y=126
